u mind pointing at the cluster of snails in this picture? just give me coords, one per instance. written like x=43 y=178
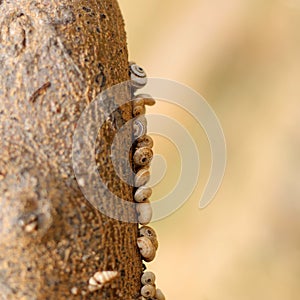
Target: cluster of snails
x=149 y=290
x=143 y=154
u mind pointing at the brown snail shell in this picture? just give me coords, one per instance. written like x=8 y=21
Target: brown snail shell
x=144 y=141
x=137 y=75
x=143 y=156
x=147 y=249
x=144 y=211
x=142 y=194
x=139 y=110
x=148 y=278
x=141 y=177
x=148 y=291
x=145 y=99
x=150 y=233
x=159 y=295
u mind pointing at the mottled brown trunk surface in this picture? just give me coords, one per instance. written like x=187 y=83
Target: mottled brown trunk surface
x=55 y=57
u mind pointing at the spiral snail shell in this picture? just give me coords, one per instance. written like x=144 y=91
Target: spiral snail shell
x=141 y=177
x=144 y=141
x=142 y=194
x=105 y=276
x=97 y=281
x=137 y=75
x=150 y=233
x=147 y=249
x=144 y=211
x=139 y=126
x=143 y=156
x=139 y=110
x=148 y=278
x=159 y=295
x=148 y=291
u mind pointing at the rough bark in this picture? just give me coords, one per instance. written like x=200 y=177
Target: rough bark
x=55 y=57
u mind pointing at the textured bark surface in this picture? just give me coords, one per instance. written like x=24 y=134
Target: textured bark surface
x=55 y=57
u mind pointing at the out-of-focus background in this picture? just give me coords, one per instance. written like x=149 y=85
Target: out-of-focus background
x=243 y=56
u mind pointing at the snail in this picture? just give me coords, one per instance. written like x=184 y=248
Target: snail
x=142 y=156
x=138 y=110
x=141 y=177
x=144 y=141
x=142 y=194
x=144 y=99
x=144 y=211
x=137 y=75
x=139 y=126
x=148 y=291
x=146 y=248
x=149 y=232
x=97 y=281
x=148 y=278
x=139 y=104
x=159 y=295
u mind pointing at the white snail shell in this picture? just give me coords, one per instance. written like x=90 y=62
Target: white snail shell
x=145 y=99
x=148 y=278
x=148 y=291
x=139 y=126
x=105 y=276
x=144 y=211
x=159 y=295
x=141 y=177
x=142 y=194
x=150 y=233
x=142 y=156
x=138 y=76
x=147 y=249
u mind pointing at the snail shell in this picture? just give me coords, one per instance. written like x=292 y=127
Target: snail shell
x=142 y=156
x=105 y=276
x=148 y=291
x=144 y=99
x=147 y=249
x=144 y=211
x=150 y=233
x=139 y=110
x=137 y=75
x=144 y=141
x=148 y=278
x=159 y=295
x=139 y=126
x=142 y=194
x=141 y=177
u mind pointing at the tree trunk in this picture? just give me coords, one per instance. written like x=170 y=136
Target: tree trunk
x=56 y=56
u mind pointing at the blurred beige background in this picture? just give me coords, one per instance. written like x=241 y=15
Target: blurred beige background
x=243 y=56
